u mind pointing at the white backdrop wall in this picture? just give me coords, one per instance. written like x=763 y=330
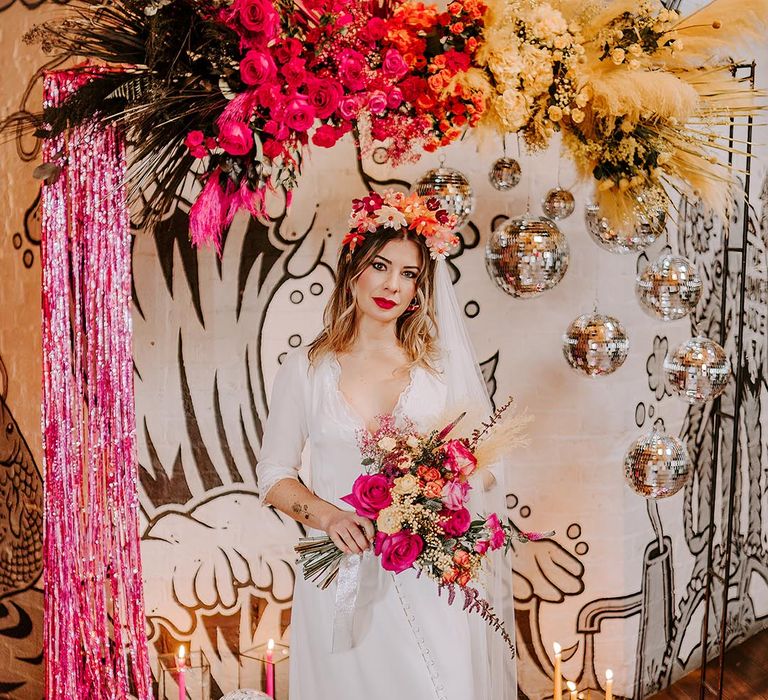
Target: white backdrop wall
x=209 y=336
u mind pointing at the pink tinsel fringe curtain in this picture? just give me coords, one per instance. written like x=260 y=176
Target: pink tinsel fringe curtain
x=95 y=640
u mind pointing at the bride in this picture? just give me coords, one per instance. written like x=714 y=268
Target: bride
x=394 y=344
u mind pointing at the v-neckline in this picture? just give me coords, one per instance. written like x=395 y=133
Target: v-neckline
x=352 y=411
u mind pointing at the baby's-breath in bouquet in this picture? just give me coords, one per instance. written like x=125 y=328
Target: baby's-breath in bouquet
x=415 y=490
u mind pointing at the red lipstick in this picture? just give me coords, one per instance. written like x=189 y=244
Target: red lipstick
x=384 y=303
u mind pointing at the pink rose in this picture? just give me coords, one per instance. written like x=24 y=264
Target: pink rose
x=258 y=17
x=324 y=96
x=377 y=102
x=394 y=65
x=458 y=457
x=395 y=98
x=195 y=142
x=325 y=136
x=352 y=67
x=375 y=29
x=268 y=95
x=455 y=522
x=272 y=149
x=277 y=129
x=348 y=108
x=454 y=494
x=481 y=546
x=236 y=138
x=295 y=72
x=287 y=49
x=493 y=526
x=398 y=551
x=299 y=114
x=257 y=68
x=370 y=494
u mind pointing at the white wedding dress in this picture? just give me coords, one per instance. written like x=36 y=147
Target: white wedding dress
x=408 y=643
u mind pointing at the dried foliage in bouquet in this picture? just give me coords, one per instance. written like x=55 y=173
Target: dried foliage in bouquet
x=416 y=491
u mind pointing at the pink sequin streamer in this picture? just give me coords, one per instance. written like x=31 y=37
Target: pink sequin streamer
x=95 y=640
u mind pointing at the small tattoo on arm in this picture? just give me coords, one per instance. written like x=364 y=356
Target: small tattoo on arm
x=300 y=509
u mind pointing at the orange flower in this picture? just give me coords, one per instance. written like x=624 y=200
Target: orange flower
x=433 y=489
x=432 y=474
x=463 y=579
x=435 y=83
x=450 y=575
x=455 y=8
x=425 y=101
x=461 y=557
x=471 y=44
x=457 y=28
x=421 y=470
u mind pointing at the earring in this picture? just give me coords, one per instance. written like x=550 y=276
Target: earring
x=413 y=306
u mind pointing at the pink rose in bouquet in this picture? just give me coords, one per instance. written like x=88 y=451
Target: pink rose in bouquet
x=377 y=102
x=236 y=138
x=394 y=65
x=295 y=73
x=371 y=493
x=195 y=142
x=324 y=95
x=459 y=458
x=325 y=136
x=258 y=17
x=272 y=149
x=497 y=535
x=286 y=49
x=395 y=98
x=299 y=114
x=352 y=67
x=349 y=107
x=455 y=522
x=257 y=68
x=399 y=550
x=454 y=494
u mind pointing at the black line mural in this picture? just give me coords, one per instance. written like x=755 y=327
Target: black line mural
x=21 y=559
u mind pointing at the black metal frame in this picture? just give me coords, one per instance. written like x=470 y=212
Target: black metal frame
x=724 y=578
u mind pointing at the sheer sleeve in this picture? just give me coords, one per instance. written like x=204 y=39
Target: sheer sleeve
x=286 y=429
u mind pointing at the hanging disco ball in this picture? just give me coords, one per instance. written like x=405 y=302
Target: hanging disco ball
x=451 y=189
x=637 y=232
x=558 y=203
x=698 y=370
x=527 y=255
x=669 y=288
x=505 y=174
x=595 y=344
x=657 y=465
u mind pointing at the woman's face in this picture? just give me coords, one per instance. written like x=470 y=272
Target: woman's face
x=388 y=285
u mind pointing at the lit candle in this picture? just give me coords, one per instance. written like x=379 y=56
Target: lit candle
x=609 y=685
x=270 y=669
x=572 y=687
x=558 y=694
x=181 y=663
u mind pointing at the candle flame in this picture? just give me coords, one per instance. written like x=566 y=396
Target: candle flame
x=271 y=644
x=557 y=648
x=181 y=652
x=609 y=675
x=571 y=685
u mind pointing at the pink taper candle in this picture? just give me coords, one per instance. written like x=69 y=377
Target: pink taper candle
x=270 y=669
x=181 y=662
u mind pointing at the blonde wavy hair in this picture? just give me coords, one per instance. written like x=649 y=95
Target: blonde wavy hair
x=416 y=330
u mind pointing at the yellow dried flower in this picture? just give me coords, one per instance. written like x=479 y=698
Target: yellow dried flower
x=555 y=113
x=617 y=56
x=577 y=116
x=387 y=444
x=407 y=483
x=389 y=520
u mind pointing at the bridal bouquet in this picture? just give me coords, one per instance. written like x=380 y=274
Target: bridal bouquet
x=416 y=491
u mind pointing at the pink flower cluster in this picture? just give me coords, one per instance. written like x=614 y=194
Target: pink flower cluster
x=396 y=210
x=414 y=478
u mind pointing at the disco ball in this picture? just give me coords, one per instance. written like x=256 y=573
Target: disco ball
x=526 y=256
x=637 y=232
x=595 y=344
x=657 y=465
x=669 y=288
x=451 y=189
x=558 y=203
x=698 y=370
x=504 y=174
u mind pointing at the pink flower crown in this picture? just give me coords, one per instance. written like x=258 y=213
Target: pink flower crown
x=396 y=210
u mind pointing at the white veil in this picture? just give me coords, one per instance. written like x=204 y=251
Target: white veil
x=494 y=664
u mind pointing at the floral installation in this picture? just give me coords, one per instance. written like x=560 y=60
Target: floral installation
x=396 y=210
x=235 y=91
x=416 y=491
